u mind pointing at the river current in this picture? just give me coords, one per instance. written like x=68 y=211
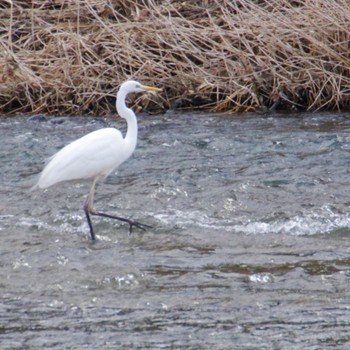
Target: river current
x=249 y=246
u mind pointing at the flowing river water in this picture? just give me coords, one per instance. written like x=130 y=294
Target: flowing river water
x=249 y=247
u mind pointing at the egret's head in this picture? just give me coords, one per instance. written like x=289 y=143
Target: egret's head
x=126 y=88
x=135 y=86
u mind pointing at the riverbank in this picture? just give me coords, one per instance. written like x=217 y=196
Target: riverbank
x=60 y=57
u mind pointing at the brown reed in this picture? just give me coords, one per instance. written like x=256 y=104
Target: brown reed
x=70 y=56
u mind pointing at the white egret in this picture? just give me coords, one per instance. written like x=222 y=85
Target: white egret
x=97 y=154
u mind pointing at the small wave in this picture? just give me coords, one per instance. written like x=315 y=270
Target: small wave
x=309 y=223
x=66 y=223
x=322 y=221
x=190 y=218
x=261 y=278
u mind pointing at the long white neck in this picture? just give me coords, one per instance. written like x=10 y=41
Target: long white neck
x=126 y=113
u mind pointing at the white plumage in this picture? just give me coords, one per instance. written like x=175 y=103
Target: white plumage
x=97 y=154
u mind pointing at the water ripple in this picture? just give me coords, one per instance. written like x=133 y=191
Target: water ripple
x=248 y=245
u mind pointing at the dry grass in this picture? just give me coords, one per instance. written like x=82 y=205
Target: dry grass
x=70 y=56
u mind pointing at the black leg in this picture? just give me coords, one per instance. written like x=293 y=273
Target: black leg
x=89 y=210
x=130 y=222
x=90 y=224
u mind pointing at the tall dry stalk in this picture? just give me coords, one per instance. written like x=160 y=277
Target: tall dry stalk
x=69 y=57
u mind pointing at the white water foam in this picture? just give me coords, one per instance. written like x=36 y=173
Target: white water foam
x=322 y=221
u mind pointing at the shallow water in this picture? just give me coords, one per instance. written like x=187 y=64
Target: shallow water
x=249 y=247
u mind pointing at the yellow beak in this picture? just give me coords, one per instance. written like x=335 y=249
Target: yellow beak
x=150 y=88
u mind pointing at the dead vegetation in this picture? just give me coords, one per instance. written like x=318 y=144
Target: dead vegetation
x=70 y=56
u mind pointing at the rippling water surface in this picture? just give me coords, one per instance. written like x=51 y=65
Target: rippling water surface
x=249 y=247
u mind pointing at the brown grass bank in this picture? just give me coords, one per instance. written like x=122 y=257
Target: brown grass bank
x=69 y=56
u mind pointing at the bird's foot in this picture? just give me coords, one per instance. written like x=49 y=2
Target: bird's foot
x=131 y=223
